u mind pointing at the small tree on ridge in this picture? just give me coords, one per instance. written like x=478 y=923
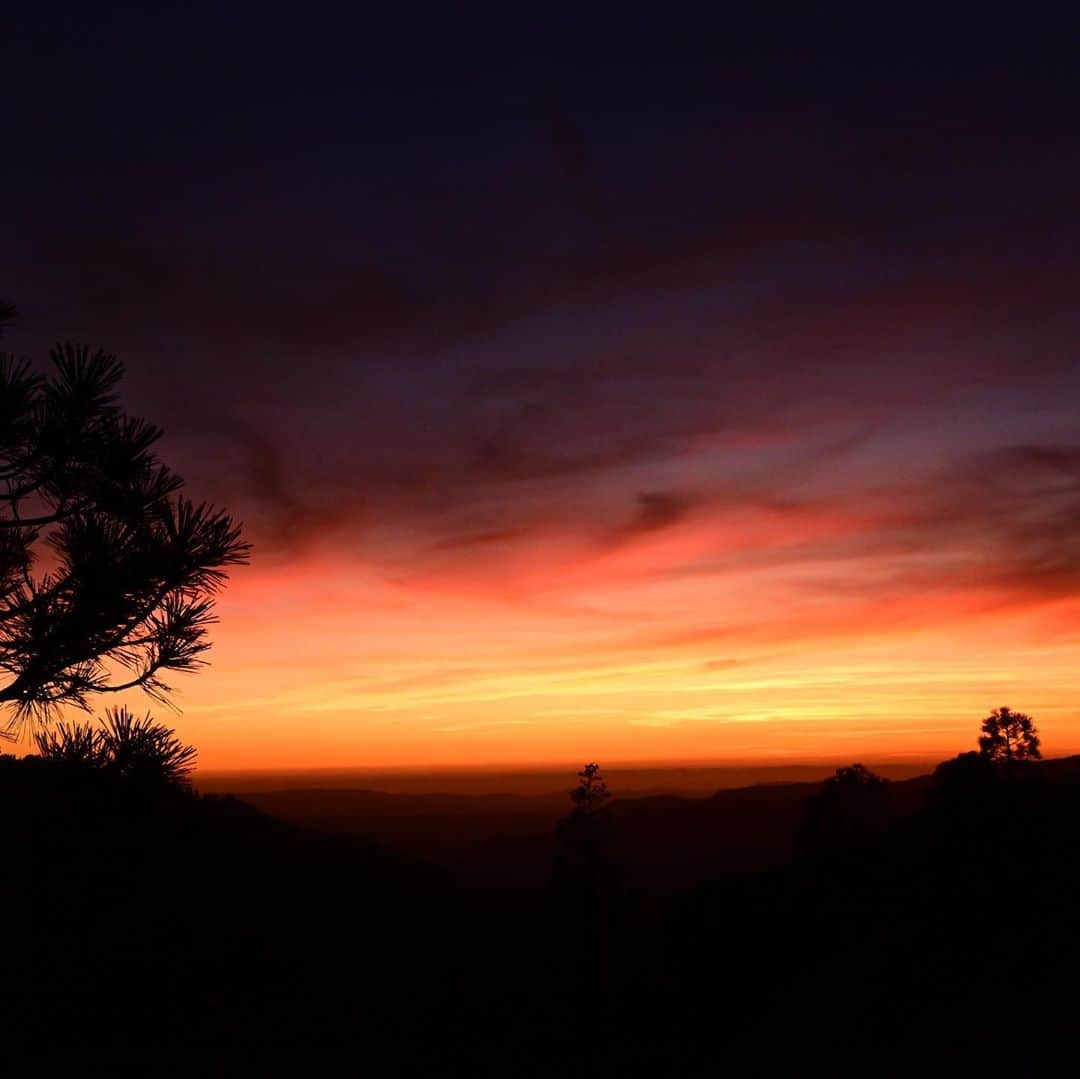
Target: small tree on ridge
x=1009 y=736
x=583 y=836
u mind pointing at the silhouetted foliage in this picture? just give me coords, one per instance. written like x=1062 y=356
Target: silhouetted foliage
x=1009 y=736
x=133 y=748
x=140 y=749
x=851 y=811
x=132 y=565
x=855 y=777
x=77 y=744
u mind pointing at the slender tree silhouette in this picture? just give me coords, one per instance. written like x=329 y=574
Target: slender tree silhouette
x=1009 y=736
x=582 y=863
x=591 y=794
x=107 y=572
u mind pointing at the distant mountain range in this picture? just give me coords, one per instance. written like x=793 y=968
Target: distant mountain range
x=662 y=840
x=624 y=779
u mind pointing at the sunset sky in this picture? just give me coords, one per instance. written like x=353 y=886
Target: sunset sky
x=588 y=391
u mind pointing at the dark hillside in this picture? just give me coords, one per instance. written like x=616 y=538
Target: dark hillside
x=161 y=916
x=709 y=931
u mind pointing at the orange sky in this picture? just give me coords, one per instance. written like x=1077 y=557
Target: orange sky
x=576 y=652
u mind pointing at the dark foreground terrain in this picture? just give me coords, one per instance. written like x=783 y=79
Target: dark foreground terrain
x=927 y=924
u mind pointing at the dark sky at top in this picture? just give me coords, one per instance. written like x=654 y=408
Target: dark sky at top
x=382 y=270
